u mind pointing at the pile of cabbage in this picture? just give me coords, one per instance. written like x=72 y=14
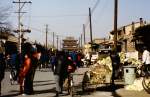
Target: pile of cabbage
x=98 y=73
x=99 y=70
x=129 y=60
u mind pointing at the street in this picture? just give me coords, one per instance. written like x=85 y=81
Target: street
x=44 y=86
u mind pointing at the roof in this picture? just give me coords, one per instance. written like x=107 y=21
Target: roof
x=12 y=39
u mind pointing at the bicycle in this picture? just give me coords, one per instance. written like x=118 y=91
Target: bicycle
x=146 y=79
x=13 y=71
x=70 y=85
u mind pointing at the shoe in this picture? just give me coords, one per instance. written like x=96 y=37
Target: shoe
x=57 y=95
x=24 y=94
x=61 y=92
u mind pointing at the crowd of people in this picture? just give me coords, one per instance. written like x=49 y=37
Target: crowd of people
x=62 y=64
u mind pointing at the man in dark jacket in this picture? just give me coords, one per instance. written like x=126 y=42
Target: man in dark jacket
x=2 y=68
x=115 y=64
x=59 y=71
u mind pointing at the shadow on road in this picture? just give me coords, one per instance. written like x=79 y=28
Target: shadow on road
x=43 y=81
x=10 y=95
x=107 y=88
x=52 y=90
x=35 y=92
x=43 y=84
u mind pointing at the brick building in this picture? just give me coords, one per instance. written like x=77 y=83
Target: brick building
x=125 y=36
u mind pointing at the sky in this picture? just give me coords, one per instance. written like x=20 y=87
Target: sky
x=66 y=17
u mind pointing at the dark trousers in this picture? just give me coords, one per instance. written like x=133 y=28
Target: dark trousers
x=28 y=83
x=113 y=77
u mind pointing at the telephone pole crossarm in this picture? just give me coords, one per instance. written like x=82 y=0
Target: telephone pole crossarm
x=19 y=21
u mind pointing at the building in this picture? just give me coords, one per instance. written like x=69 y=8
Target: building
x=125 y=36
x=5 y=32
x=70 y=44
x=102 y=42
x=98 y=43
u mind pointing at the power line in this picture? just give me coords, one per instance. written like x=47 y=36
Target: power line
x=92 y=11
x=56 y=16
x=103 y=9
x=88 y=20
x=95 y=6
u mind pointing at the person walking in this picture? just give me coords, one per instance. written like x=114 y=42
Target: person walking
x=53 y=60
x=59 y=71
x=2 y=68
x=145 y=59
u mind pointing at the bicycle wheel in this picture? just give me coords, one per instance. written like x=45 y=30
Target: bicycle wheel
x=146 y=80
x=146 y=84
x=71 y=90
x=70 y=87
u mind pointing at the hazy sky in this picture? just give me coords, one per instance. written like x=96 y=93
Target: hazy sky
x=66 y=17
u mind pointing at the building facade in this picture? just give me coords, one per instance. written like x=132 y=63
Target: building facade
x=70 y=44
x=125 y=36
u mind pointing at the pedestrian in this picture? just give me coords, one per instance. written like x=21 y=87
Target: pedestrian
x=115 y=64
x=59 y=71
x=145 y=59
x=87 y=59
x=73 y=55
x=2 y=68
x=71 y=66
x=79 y=56
x=53 y=60
x=27 y=72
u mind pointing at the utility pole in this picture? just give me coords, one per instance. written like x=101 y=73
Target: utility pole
x=84 y=33
x=115 y=24
x=115 y=45
x=90 y=27
x=57 y=41
x=60 y=44
x=1 y=34
x=53 y=39
x=81 y=40
x=20 y=6
x=46 y=34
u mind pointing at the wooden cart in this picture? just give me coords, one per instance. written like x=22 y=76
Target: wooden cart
x=93 y=79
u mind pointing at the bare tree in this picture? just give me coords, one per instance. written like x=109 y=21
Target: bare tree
x=4 y=12
x=5 y=25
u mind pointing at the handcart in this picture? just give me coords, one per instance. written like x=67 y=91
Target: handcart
x=99 y=76
x=74 y=81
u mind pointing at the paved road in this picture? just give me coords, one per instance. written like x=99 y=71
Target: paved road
x=44 y=86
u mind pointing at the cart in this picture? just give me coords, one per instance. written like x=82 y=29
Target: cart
x=99 y=76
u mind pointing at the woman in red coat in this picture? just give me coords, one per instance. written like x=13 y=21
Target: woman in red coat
x=27 y=71
x=26 y=66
